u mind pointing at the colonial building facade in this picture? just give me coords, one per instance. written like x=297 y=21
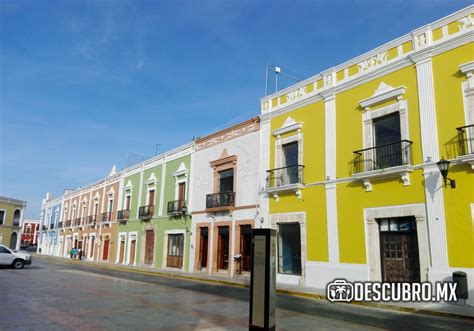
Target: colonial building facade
x=353 y=185
x=349 y=166
x=225 y=198
x=49 y=225
x=11 y=217
x=30 y=233
x=154 y=223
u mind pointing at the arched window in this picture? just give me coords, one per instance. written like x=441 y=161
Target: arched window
x=16 y=217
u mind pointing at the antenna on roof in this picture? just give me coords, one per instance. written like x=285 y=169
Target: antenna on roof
x=277 y=71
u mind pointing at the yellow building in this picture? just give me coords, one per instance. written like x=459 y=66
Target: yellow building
x=351 y=158
x=11 y=217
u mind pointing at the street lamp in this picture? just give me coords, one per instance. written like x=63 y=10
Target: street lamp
x=184 y=211
x=443 y=166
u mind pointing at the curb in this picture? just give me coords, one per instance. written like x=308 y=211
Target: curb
x=279 y=291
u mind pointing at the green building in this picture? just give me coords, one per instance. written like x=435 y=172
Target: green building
x=154 y=225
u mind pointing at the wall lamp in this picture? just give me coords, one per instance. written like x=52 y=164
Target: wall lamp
x=443 y=166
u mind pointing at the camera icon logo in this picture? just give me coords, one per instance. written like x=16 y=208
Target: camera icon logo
x=340 y=290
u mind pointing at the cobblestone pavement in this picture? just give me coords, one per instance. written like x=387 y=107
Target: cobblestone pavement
x=56 y=296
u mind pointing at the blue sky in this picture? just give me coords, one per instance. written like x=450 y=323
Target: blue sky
x=83 y=83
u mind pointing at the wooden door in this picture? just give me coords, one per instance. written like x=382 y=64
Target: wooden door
x=122 y=250
x=175 y=251
x=133 y=245
x=105 y=255
x=84 y=249
x=223 y=247
x=149 y=246
x=203 y=247
x=151 y=198
x=245 y=246
x=400 y=258
x=92 y=247
x=181 y=194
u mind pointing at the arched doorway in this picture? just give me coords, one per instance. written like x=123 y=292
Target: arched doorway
x=13 y=240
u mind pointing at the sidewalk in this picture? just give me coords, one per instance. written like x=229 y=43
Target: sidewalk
x=436 y=309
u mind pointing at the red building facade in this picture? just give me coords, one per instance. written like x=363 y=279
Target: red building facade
x=30 y=232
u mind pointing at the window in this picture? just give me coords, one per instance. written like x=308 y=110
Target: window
x=289 y=249
x=16 y=217
x=2 y=217
x=387 y=140
x=96 y=208
x=290 y=163
x=226 y=180
x=111 y=205
x=127 y=202
x=4 y=250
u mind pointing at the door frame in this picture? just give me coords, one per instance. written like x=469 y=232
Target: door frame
x=372 y=237
x=121 y=235
x=146 y=228
x=133 y=235
x=165 y=248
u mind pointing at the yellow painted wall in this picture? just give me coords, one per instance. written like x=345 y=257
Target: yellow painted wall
x=450 y=114
x=352 y=197
x=314 y=198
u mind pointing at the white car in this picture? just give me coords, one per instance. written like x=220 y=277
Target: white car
x=13 y=258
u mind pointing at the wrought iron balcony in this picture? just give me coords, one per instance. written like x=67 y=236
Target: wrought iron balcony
x=123 y=215
x=60 y=225
x=383 y=156
x=106 y=217
x=78 y=222
x=68 y=224
x=176 y=207
x=285 y=176
x=145 y=212
x=220 y=201
x=51 y=226
x=466 y=139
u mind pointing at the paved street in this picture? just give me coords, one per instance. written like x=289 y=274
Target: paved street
x=56 y=296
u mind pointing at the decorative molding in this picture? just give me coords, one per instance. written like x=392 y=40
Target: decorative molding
x=128 y=186
x=372 y=62
x=400 y=171
x=151 y=180
x=288 y=126
x=296 y=94
x=230 y=133
x=181 y=171
x=383 y=93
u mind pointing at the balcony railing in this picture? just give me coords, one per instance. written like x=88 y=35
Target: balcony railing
x=221 y=200
x=60 y=224
x=78 y=222
x=285 y=176
x=466 y=139
x=51 y=226
x=106 y=217
x=68 y=224
x=383 y=156
x=145 y=212
x=176 y=207
x=123 y=215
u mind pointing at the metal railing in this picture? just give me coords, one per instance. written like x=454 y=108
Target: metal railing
x=106 y=217
x=176 y=207
x=221 y=199
x=78 y=222
x=466 y=139
x=68 y=223
x=51 y=226
x=60 y=224
x=123 y=215
x=145 y=212
x=285 y=176
x=383 y=156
